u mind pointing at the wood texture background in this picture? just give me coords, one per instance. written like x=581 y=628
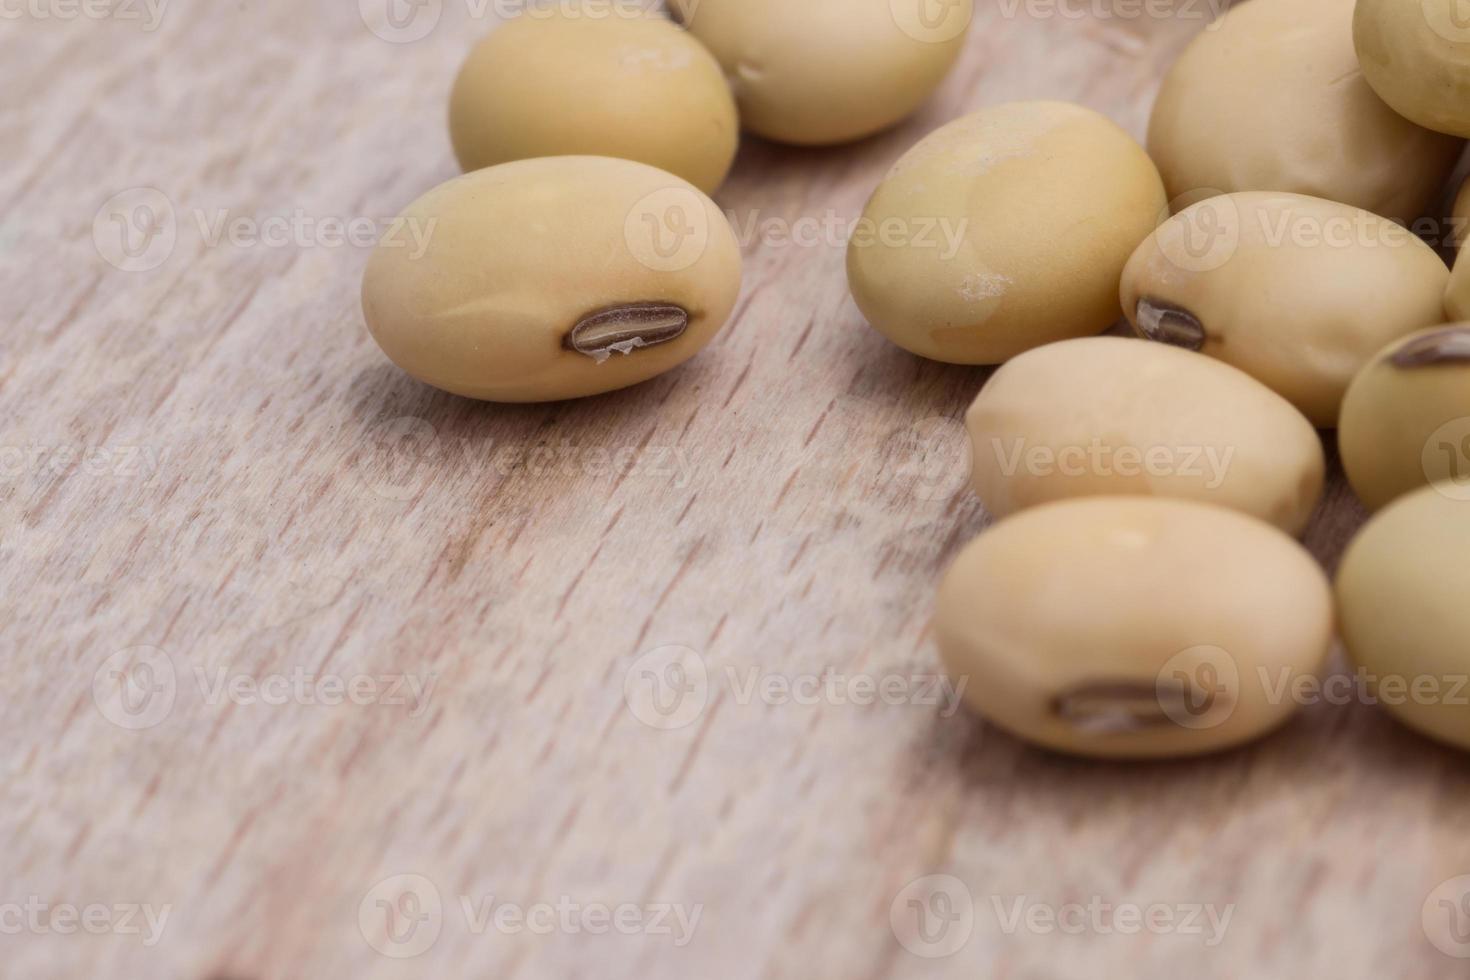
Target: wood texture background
x=213 y=461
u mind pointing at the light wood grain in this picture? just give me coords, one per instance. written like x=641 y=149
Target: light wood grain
x=295 y=502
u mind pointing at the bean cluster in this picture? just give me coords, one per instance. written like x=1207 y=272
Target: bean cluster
x=1142 y=594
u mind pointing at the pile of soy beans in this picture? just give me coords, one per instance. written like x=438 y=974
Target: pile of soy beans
x=1143 y=593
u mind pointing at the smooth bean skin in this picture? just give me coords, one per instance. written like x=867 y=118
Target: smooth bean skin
x=525 y=260
x=1460 y=214
x=1416 y=55
x=552 y=84
x=1129 y=627
x=1406 y=417
x=1271 y=99
x=1002 y=231
x=821 y=72
x=1106 y=416
x=1401 y=595
x=1457 y=291
x=1296 y=291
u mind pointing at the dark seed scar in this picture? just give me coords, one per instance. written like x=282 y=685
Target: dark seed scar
x=625 y=329
x=1170 y=324
x=1448 y=346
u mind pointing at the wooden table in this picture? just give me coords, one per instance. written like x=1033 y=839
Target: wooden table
x=393 y=653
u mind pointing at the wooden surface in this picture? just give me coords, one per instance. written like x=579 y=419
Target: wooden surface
x=209 y=468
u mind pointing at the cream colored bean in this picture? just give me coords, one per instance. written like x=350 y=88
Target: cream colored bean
x=1271 y=99
x=1406 y=418
x=1296 y=291
x=1402 y=592
x=1002 y=231
x=1416 y=55
x=1106 y=416
x=553 y=278
x=1124 y=627
x=561 y=82
x=816 y=72
x=1457 y=291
